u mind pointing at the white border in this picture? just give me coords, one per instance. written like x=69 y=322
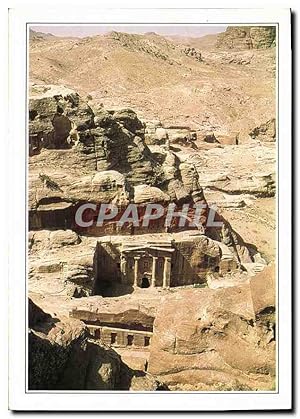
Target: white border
x=19 y=400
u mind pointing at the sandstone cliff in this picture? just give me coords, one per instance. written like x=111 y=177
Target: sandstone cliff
x=247 y=37
x=110 y=162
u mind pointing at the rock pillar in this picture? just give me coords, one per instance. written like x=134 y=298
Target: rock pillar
x=123 y=267
x=154 y=271
x=136 y=270
x=167 y=272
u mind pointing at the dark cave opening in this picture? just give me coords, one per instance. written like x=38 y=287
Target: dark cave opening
x=145 y=282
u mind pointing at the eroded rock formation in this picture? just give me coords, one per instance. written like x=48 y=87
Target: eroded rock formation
x=80 y=154
x=217 y=339
x=265 y=132
x=247 y=37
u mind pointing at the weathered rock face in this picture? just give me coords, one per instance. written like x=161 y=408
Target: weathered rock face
x=220 y=340
x=71 y=362
x=263 y=287
x=61 y=263
x=96 y=141
x=193 y=53
x=104 y=140
x=53 y=115
x=118 y=148
x=149 y=194
x=246 y=37
x=51 y=345
x=235 y=37
x=36 y=315
x=219 y=170
x=263 y=37
x=109 y=158
x=265 y=132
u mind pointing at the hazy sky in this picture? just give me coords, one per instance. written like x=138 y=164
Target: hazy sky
x=90 y=30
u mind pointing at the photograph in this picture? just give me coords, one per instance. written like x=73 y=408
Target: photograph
x=151 y=205
x=150 y=209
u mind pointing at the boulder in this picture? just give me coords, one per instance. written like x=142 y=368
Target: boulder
x=149 y=194
x=146 y=382
x=193 y=53
x=60 y=238
x=161 y=134
x=227 y=139
x=36 y=315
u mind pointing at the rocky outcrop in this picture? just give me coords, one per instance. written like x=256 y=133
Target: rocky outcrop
x=103 y=140
x=39 y=36
x=235 y=37
x=149 y=194
x=52 y=343
x=109 y=158
x=219 y=341
x=53 y=113
x=36 y=315
x=246 y=37
x=182 y=135
x=153 y=45
x=263 y=286
x=141 y=381
x=265 y=132
x=61 y=263
x=193 y=53
x=263 y=37
x=220 y=170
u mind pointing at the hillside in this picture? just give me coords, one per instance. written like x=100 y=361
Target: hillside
x=206 y=42
x=227 y=91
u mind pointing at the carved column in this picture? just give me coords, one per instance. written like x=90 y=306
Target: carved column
x=167 y=272
x=123 y=267
x=154 y=271
x=136 y=270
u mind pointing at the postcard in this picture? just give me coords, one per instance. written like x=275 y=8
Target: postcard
x=150 y=262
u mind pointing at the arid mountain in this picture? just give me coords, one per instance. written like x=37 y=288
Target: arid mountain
x=39 y=36
x=206 y=42
x=160 y=78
